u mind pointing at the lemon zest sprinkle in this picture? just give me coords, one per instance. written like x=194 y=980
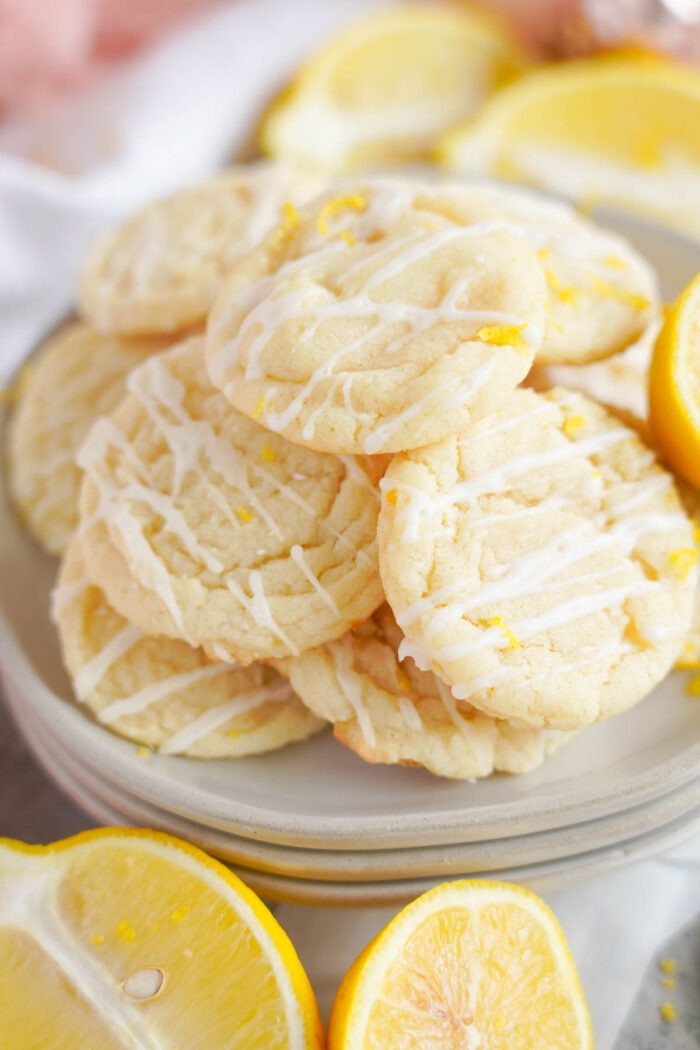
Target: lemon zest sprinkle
x=243 y=515
x=348 y=237
x=693 y=686
x=125 y=931
x=623 y=295
x=258 y=408
x=544 y=253
x=143 y=752
x=615 y=262
x=268 y=454
x=503 y=335
x=683 y=560
x=392 y=496
x=512 y=639
x=356 y=200
x=566 y=293
x=669 y=965
x=290 y=220
x=668 y=1012
x=573 y=423
x=96 y=938
x=181 y=912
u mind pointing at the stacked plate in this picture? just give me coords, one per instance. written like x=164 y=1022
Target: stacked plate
x=313 y=823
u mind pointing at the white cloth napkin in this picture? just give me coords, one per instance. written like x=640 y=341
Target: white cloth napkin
x=172 y=116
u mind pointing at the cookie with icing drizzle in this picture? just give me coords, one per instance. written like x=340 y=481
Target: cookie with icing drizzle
x=160 y=271
x=388 y=711
x=382 y=316
x=201 y=525
x=540 y=562
x=602 y=295
x=77 y=375
x=162 y=693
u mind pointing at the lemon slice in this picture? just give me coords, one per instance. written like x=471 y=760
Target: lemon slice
x=381 y=91
x=674 y=385
x=624 y=131
x=117 y=939
x=469 y=964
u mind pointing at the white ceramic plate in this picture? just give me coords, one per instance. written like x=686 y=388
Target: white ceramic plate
x=319 y=795
x=301 y=890
x=492 y=856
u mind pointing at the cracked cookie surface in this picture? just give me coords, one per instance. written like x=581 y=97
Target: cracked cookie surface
x=161 y=692
x=540 y=562
x=388 y=711
x=382 y=316
x=77 y=375
x=199 y=524
x=602 y=295
x=160 y=270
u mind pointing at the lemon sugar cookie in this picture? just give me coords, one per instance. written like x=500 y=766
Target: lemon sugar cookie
x=160 y=271
x=387 y=710
x=540 y=562
x=602 y=295
x=76 y=376
x=199 y=524
x=163 y=693
x=384 y=316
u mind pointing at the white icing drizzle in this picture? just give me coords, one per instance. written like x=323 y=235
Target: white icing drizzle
x=351 y=685
x=258 y=607
x=272 y=302
x=64 y=594
x=410 y=714
x=155 y=691
x=297 y=556
x=92 y=672
x=618 y=526
x=221 y=714
x=423 y=506
x=193 y=443
x=449 y=395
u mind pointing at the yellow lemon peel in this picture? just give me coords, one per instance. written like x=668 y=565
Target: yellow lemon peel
x=622 y=295
x=243 y=515
x=258 y=408
x=668 y=1012
x=503 y=335
x=693 y=686
x=512 y=639
x=574 y=424
x=356 y=201
x=268 y=454
x=566 y=293
x=682 y=561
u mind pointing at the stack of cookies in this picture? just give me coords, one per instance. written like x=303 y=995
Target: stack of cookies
x=299 y=474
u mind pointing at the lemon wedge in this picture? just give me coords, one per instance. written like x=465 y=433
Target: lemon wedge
x=382 y=90
x=117 y=939
x=620 y=130
x=674 y=386
x=469 y=964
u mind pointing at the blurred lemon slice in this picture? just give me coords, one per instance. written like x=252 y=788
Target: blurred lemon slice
x=469 y=964
x=620 y=130
x=674 y=385
x=381 y=91
x=118 y=939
